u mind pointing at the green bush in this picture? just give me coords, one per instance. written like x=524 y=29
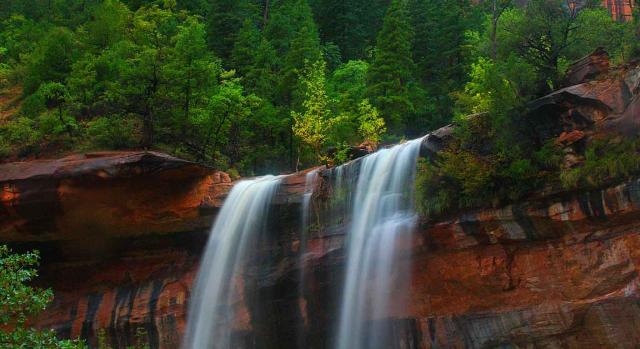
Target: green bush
x=433 y=195
x=5 y=148
x=19 y=302
x=49 y=124
x=482 y=167
x=606 y=161
x=21 y=134
x=33 y=105
x=112 y=132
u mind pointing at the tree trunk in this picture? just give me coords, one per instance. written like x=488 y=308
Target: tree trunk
x=265 y=14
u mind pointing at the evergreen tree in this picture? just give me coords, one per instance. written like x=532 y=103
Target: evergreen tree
x=52 y=59
x=142 y=79
x=391 y=73
x=193 y=72
x=260 y=76
x=351 y=25
x=245 y=47
x=294 y=35
x=109 y=24
x=224 y=20
x=440 y=27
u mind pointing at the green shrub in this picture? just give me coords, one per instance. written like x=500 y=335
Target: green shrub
x=482 y=167
x=113 y=132
x=433 y=195
x=5 y=147
x=5 y=73
x=606 y=161
x=21 y=134
x=19 y=301
x=49 y=124
x=33 y=105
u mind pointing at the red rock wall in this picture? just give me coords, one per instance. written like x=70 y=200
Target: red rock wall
x=560 y=272
x=621 y=10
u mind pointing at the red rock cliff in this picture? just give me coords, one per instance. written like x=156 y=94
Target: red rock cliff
x=621 y=10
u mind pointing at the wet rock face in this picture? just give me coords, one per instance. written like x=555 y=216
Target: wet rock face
x=104 y=195
x=588 y=68
x=555 y=272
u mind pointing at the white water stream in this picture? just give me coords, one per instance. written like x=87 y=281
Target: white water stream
x=243 y=216
x=383 y=211
x=379 y=212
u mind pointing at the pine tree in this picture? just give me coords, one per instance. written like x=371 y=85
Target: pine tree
x=193 y=72
x=352 y=25
x=440 y=27
x=392 y=69
x=245 y=47
x=224 y=20
x=294 y=34
x=260 y=77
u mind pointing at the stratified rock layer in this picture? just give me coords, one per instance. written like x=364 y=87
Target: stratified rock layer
x=107 y=195
x=554 y=272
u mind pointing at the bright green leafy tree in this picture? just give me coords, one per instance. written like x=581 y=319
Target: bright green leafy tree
x=312 y=125
x=20 y=302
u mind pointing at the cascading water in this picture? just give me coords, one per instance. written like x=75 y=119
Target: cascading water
x=382 y=212
x=311 y=179
x=242 y=218
x=310 y=182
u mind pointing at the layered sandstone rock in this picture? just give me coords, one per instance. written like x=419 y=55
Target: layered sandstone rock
x=558 y=271
x=622 y=10
x=106 y=195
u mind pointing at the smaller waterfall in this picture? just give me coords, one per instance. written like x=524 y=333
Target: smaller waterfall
x=311 y=179
x=382 y=212
x=242 y=218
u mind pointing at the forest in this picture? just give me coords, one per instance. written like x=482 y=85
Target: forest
x=254 y=87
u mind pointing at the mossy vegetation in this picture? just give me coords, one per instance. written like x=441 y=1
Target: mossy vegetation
x=484 y=174
x=499 y=155
x=606 y=161
x=481 y=168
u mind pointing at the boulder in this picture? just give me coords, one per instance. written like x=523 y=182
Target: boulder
x=608 y=104
x=588 y=68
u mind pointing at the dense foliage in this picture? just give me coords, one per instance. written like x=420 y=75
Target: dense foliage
x=259 y=86
x=221 y=82
x=255 y=86
x=19 y=302
x=496 y=155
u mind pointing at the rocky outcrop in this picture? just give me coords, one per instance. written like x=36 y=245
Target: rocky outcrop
x=609 y=104
x=588 y=68
x=621 y=10
x=98 y=195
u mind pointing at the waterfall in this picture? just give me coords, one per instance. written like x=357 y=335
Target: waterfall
x=311 y=179
x=242 y=218
x=382 y=212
